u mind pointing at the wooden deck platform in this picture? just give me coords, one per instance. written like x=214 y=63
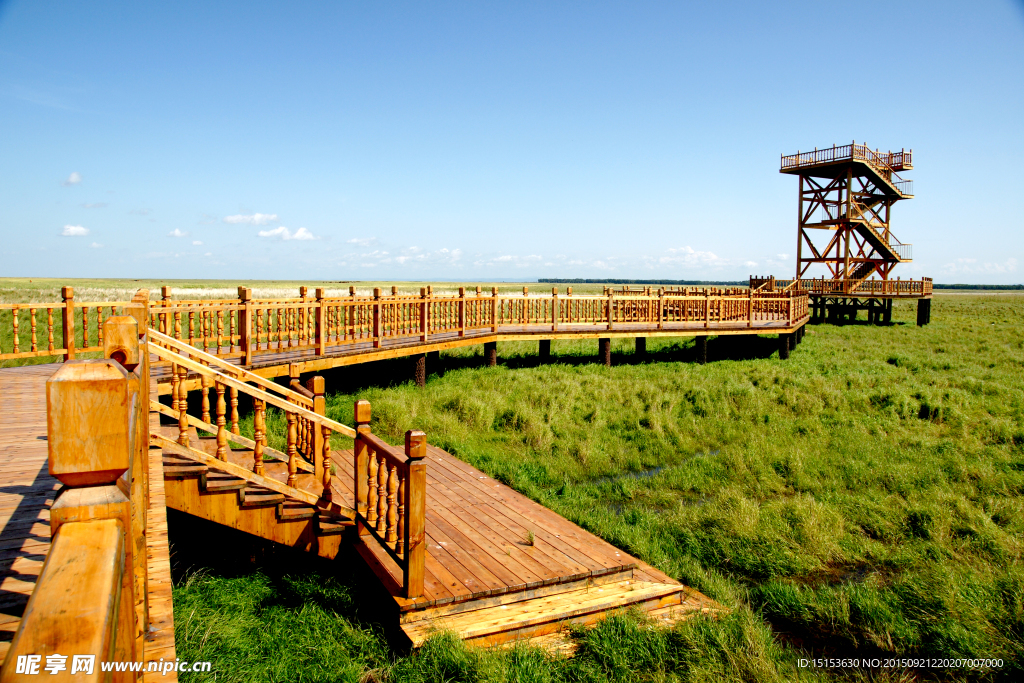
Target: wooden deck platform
x=499 y=566
x=26 y=493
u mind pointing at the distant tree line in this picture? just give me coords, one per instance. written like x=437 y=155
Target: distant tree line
x=938 y=286
x=731 y=283
x=619 y=281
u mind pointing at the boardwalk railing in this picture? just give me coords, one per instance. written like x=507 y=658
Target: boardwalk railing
x=56 y=329
x=90 y=598
x=884 y=163
x=390 y=484
x=391 y=497
x=823 y=286
x=244 y=328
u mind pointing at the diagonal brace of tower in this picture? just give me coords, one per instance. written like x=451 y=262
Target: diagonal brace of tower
x=849 y=191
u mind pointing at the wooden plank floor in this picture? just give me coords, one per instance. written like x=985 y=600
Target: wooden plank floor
x=478 y=539
x=26 y=492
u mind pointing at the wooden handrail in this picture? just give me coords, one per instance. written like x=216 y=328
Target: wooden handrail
x=391 y=498
x=198 y=368
x=229 y=368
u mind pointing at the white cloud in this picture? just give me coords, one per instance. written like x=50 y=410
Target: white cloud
x=196 y=243
x=363 y=241
x=783 y=256
x=74 y=231
x=96 y=245
x=286 y=234
x=209 y=253
x=750 y=264
x=969 y=266
x=254 y=219
x=73 y=179
x=177 y=233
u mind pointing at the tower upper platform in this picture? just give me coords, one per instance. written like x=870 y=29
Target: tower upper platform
x=830 y=162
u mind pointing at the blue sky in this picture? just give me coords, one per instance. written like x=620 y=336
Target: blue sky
x=478 y=141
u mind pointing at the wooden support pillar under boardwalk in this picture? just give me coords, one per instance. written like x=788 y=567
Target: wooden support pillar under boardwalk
x=491 y=353
x=924 y=312
x=784 y=345
x=420 y=369
x=604 y=351
x=701 y=344
x=544 y=350
x=641 y=347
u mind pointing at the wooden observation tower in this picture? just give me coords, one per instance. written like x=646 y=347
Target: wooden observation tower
x=847 y=193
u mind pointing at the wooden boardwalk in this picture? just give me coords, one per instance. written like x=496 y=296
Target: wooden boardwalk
x=26 y=493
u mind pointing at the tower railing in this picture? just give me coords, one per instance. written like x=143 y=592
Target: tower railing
x=884 y=163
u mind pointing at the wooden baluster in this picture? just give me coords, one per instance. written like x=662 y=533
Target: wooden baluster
x=259 y=435
x=14 y=318
x=292 y=452
x=32 y=322
x=234 y=411
x=382 y=496
x=206 y=383
x=325 y=432
x=183 y=406
x=222 y=432
x=400 y=544
x=175 y=378
x=85 y=327
x=392 y=532
x=49 y=330
x=371 y=490
x=231 y=331
x=177 y=325
x=259 y=327
x=191 y=327
x=99 y=324
x=220 y=330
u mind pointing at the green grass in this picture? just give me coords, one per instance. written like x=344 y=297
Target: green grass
x=862 y=498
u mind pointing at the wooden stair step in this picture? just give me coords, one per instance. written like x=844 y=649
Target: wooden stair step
x=471 y=605
x=222 y=481
x=177 y=467
x=253 y=496
x=330 y=525
x=543 y=615
x=293 y=509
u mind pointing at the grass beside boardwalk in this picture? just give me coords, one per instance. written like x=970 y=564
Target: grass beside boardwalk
x=863 y=498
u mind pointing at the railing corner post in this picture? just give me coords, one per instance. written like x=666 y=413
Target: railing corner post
x=68 y=322
x=245 y=324
x=321 y=322
x=376 y=318
x=462 y=311
x=317 y=385
x=415 y=510
x=361 y=462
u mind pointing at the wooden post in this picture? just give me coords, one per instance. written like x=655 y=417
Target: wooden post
x=361 y=461
x=376 y=318
x=661 y=307
x=701 y=343
x=491 y=353
x=554 y=309
x=424 y=308
x=317 y=386
x=321 y=322
x=92 y=416
x=121 y=344
x=783 y=346
x=641 y=347
x=545 y=350
x=462 y=312
x=68 y=320
x=416 y=513
x=419 y=369
x=245 y=324
x=610 y=304
x=494 y=309
x=604 y=351
x=924 y=312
